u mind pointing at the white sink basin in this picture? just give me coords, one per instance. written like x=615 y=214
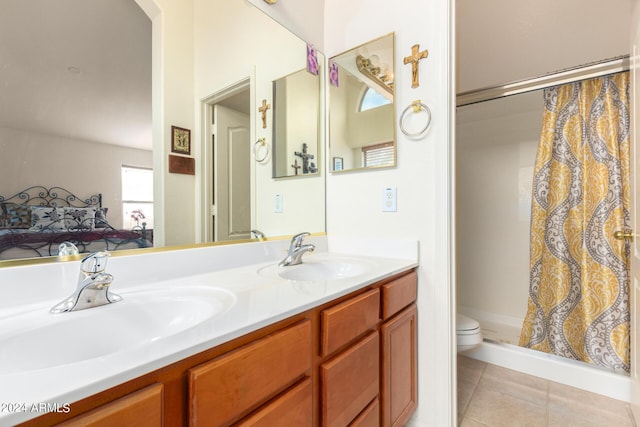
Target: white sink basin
x=318 y=269
x=39 y=340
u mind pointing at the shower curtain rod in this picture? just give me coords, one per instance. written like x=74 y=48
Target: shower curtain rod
x=588 y=71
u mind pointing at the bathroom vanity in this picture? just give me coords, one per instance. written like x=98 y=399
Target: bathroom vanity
x=338 y=349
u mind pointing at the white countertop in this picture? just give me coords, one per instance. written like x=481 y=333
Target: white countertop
x=256 y=301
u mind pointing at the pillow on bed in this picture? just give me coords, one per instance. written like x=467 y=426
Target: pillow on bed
x=101 y=218
x=15 y=216
x=43 y=217
x=79 y=218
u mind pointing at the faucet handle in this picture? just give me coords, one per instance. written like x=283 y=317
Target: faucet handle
x=298 y=238
x=95 y=262
x=67 y=248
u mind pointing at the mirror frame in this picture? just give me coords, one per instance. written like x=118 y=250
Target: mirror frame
x=330 y=158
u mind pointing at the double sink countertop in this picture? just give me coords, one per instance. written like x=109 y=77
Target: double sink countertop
x=175 y=304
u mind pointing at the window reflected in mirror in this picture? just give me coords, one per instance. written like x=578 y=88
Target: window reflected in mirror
x=361 y=107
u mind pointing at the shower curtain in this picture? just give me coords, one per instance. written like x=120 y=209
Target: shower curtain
x=578 y=303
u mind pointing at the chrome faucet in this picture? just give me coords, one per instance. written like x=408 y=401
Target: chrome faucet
x=93 y=285
x=296 y=250
x=257 y=234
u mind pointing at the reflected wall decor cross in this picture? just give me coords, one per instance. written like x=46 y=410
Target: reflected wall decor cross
x=296 y=166
x=263 y=111
x=413 y=59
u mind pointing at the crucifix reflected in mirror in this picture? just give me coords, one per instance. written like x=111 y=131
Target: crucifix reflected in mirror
x=296 y=166
x=307 y=165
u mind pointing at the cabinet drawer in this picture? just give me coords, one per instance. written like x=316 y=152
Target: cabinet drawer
x=350 y=381
x=292 y=408
x=348 y=320
x=141 y=408
x=225 y=388
x=398 y=294
x=370 y=417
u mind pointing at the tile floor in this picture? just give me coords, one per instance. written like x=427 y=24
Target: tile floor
x=489 y=395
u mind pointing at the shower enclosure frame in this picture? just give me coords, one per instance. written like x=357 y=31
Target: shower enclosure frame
x=569 y=75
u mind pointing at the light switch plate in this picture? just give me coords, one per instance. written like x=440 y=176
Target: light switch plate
x=389 y=199
x=277 y=203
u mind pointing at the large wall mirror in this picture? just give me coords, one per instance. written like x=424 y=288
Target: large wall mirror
x=361 y=107
x=296 y=122
x=75 y=108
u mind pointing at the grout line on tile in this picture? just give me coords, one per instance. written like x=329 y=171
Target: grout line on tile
x=547 y=418
x=633 y=419
x=473 y=392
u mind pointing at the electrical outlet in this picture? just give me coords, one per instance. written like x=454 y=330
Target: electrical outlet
x=277 y=203
x=389 y=200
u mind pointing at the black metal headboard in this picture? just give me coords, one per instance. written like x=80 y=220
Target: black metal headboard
x=53 y=197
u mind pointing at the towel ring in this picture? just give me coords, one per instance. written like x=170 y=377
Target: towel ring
x=258 y=148
x=416 y=106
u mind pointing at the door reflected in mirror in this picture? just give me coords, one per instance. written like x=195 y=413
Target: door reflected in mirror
x=361 y=107
x=296 y=123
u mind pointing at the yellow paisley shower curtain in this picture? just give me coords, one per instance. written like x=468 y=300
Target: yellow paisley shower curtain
x=579 y=284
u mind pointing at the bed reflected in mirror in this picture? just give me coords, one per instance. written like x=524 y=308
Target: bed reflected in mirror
x=43 y=222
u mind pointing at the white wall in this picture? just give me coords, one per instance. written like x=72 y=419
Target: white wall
x=495 y=159
x=172 y=93
x=303 y=18
x=354 y=200
x=500 y=41
x=84 y=168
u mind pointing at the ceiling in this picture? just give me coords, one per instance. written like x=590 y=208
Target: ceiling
x=78 y=69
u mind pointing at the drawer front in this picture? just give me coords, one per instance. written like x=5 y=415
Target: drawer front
x=370 y=417
x=350 y=381
x=225 y=388
x=292 y=408
x=141 y=408
x=398 y=294
x=348 y=320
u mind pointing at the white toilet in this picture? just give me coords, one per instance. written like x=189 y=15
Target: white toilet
x=468 y=332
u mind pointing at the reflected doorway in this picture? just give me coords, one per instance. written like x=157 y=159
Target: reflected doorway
x=228 y=187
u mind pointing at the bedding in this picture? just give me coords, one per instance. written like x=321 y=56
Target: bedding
x=35 y=221
x=45 y=243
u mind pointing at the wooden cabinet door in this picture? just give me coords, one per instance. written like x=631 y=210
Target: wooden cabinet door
x=399 y=391
x=141 y=409
x=224 y=389
x=350 y=381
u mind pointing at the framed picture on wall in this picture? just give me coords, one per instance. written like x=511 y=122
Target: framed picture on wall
x=180 y=140
x=337 y=163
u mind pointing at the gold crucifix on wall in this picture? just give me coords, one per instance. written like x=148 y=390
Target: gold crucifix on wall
x=413 y=59
x=263 y=111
